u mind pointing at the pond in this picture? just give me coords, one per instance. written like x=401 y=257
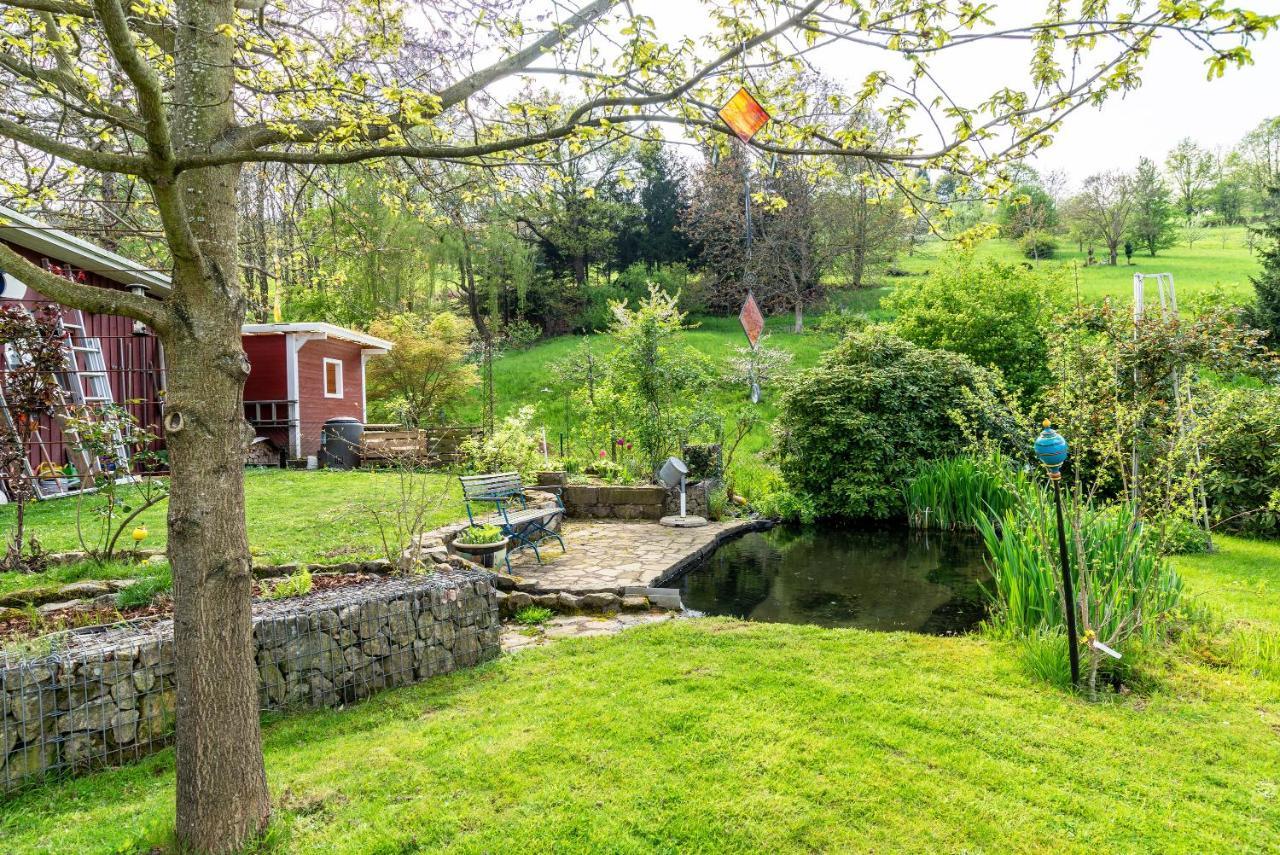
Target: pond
x=881 y=579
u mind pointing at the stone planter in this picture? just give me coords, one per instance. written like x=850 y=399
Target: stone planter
x=488 y=555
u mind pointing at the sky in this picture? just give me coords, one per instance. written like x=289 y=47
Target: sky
x=1175 y=100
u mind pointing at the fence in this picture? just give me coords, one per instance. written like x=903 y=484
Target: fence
x=106 y=695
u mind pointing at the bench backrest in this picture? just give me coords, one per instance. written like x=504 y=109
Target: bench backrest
x=500 y=484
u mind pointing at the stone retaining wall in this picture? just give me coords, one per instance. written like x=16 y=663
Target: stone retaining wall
x=106 y=694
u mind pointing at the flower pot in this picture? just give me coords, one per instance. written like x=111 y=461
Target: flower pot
x=488 y=555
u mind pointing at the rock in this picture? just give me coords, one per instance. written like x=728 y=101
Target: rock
x=65 y=605
x=272 y=684
x=635 y=604
x=665 y=598
x=378 y=565
x=158 y=559
x=86 y=589
x=518 y=600
x=124 y=726
x=144 y=679
x=600 y=602
x=156 y=715
x=272 y=571
x=314 y=650
x=566 y=603
x=94 y=715
x=29 y=761
x=546 y=601
x=31 y=597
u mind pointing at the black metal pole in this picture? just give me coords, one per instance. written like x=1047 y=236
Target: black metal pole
x=1068 y=589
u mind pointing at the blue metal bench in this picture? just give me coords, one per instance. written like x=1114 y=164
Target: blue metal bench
x=512 y=513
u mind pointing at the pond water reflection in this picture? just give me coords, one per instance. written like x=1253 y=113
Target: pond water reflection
x=882 y=579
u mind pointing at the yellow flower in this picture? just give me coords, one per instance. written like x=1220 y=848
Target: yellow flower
x=140 y=534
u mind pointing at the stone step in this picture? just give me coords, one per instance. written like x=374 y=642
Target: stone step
x=660 y=598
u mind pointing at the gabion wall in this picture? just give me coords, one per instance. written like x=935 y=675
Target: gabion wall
x=105 y=695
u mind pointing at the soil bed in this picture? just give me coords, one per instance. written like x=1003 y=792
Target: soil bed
x=20 y=627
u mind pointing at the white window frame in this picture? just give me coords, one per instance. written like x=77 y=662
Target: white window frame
x=324 y=379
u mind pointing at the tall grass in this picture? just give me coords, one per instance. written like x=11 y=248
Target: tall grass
x=1124 y=587
x=960 y=492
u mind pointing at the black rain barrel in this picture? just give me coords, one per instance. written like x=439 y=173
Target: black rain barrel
x=340 y=443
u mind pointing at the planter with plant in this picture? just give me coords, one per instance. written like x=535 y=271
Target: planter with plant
x=485 y=545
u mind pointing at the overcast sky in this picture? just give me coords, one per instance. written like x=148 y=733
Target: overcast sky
x=1175 y=100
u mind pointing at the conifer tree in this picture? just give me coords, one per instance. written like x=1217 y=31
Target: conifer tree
x=1266 y=285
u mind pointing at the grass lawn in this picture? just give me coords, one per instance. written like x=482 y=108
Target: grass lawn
x=1241 y=579
x=718 y=736
x=1221 y=258
x=320 y=516
x=724 y=736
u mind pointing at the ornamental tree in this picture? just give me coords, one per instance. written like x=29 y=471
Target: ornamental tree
x=178 y=96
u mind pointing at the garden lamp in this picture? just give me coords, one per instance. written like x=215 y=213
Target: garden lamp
x=1052 y=450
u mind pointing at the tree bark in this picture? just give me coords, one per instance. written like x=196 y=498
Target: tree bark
x=222 y=797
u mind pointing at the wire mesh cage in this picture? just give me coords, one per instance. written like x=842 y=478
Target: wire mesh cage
x=101 y=696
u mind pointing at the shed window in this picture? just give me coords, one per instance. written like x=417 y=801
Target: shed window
x=333 y=378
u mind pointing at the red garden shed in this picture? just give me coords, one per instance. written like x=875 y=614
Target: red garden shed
x=301 y=373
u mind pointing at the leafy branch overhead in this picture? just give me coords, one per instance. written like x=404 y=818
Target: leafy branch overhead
x=93 y=84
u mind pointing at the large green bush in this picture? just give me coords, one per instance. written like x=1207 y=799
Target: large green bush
x=996 y=314
x=1242 y=453
x=853 y=430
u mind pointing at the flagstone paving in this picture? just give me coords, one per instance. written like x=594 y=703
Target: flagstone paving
x=606 y=556
x=516 y=637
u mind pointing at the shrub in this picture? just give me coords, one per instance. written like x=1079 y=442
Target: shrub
x=996 y=314
x=853 y=430
x=957 y=492
x=479 y=534
x=786 y=506
x=717 y=504
x=1038 y=245
x=294 y=585
x=426 y=372
x=1241 y=440
x=511 y=447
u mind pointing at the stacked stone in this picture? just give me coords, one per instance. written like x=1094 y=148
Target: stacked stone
x=107 y=695
x=349 y=646
x=94 y=704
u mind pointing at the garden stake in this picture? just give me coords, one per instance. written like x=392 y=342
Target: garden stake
x=1051 y=448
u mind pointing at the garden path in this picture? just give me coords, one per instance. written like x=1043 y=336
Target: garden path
x=608 y=556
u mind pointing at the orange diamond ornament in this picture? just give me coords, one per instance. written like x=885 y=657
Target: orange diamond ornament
x=744 y=115
x=751 y=319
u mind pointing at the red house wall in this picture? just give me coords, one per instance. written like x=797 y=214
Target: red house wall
x=134 y=365
x=314 y=407
x=268 y=368
x=268 y=381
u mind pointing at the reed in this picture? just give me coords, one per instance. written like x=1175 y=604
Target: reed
x=1125 y=587
x=959 y=492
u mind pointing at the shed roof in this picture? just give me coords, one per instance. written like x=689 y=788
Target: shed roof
x=33 y=234
x=321 y=330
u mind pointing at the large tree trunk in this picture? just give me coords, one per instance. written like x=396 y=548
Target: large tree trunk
x=222 y=798
x=222 y=788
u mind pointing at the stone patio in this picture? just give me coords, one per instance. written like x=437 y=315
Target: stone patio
x=606 y=556
x=516 y=637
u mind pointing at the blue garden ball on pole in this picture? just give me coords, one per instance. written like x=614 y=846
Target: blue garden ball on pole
x=1051 y=448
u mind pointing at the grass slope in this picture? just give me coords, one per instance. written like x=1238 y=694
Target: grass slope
x=722 y=736
x=1241 y=579
x=1222 y=258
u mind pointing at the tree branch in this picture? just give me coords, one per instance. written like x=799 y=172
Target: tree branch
x=144 y=78
x=89 y=298
x=102 y=161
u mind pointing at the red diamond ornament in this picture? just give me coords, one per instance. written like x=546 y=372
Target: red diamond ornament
x=751 y=319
